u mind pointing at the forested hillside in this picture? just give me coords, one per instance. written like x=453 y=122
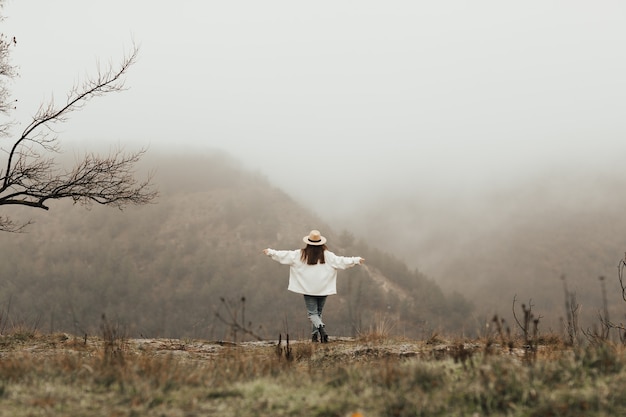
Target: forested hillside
x=544 y=240
x=170 y=268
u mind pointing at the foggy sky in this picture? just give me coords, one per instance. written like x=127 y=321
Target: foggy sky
x=344 y=103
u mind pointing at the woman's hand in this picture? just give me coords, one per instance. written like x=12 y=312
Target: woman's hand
x=362 y=260
x=266 y=251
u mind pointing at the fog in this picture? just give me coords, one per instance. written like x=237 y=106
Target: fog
x=413 y=124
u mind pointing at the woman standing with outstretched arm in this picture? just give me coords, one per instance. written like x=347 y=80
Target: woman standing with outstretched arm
x=313 y=273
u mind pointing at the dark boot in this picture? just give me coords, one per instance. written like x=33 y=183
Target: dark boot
x=323 y=335
x=315 y=338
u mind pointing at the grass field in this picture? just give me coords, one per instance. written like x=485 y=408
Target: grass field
x=63 y=375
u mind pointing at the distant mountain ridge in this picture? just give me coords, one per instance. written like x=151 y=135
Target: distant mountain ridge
x=170 y=268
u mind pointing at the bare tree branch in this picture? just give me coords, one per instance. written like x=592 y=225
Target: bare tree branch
x=234 y=322
x=31 y=176
x=7 y=72
x=620 y=275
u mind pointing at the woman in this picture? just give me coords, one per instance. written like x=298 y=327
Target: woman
x=313 y=272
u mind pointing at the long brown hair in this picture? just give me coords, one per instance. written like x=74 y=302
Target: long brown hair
x=313 y=254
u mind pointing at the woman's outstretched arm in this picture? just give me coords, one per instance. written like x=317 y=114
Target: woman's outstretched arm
x=285 y=257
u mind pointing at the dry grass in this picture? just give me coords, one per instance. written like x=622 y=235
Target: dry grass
x=374 y=376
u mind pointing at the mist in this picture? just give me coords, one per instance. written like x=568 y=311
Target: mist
x=423 y=128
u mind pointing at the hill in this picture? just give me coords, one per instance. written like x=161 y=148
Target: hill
x=541 y=240
x=191 y=265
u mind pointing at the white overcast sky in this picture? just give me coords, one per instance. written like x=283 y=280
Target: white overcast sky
x=340 y=101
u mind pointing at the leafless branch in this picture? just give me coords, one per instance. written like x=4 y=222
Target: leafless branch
x=31 y=176
x=528 y=317
x=7 y=71
x=572 y=309
x=620 y=275
x=530 y=325
x=233 y=321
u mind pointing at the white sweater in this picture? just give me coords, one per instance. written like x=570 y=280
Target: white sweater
x=320 y=279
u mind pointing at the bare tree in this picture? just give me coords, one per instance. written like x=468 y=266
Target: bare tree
x=7 y=71
x=30 y=176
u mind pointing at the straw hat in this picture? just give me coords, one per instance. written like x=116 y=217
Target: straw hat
x=314 y=238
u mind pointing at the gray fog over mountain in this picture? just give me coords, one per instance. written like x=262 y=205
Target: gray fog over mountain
x=426 y=128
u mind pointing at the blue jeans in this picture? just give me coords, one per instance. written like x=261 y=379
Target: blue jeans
x=314 y=306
